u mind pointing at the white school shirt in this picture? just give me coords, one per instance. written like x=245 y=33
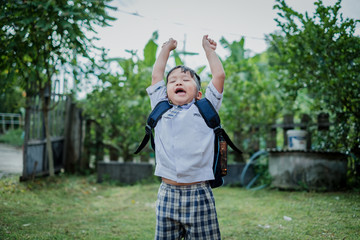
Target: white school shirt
x=184 y=144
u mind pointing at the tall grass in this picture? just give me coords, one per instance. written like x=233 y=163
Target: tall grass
x=74 y=207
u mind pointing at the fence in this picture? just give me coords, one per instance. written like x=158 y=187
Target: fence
x=10 y=120
x=322 y=124
x=269 y=136
x=35 y=155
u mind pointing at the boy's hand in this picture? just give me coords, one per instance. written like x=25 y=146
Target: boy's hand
x=208 y=43
x=171 y=44
x=160 y=63
x=216 y=67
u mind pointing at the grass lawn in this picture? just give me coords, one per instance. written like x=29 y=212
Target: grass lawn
x=74 y=207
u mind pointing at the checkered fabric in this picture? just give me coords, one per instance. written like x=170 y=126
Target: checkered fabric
x=186 y=212
x=172 y=112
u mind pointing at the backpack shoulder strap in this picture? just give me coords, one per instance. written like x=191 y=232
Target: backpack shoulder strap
x=152 y=120
x=157 y=113
x=208 y=113
x=212 y=120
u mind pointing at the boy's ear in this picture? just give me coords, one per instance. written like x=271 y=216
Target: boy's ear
x=199 y=95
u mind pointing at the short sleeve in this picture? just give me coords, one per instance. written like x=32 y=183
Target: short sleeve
x=214 y=96
x=157 y=93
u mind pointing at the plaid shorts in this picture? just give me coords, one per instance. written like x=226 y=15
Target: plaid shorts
x=186 y=212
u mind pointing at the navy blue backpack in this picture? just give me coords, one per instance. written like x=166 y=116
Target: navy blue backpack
x=212 y=119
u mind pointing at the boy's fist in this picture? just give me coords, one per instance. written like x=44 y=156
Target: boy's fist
x=208 y=43
x=171 y=44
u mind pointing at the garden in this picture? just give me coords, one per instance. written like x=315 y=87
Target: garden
x=307 y=79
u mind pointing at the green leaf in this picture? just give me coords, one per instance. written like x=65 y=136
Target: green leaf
x=177 y=58
x=150 y=53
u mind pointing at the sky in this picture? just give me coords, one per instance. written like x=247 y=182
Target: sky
x=188 y=20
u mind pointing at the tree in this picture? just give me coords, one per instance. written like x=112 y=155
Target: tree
x=321 y=54
x=252 y=99
x=119 y=103
x=40 y=37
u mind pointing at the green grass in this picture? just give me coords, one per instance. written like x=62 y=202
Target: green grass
x=73 y=207
x=13 y=137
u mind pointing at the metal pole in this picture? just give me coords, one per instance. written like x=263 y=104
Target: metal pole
x=3 y=123
x=12 y=121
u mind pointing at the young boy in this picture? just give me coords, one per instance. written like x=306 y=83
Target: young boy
x=185 y=148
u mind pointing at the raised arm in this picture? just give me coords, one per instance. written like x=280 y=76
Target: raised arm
x=160 y=63
x=216 y=67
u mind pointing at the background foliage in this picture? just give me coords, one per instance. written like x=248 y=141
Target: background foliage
x=41 y=39
x=311 y=66
x=319 y=55
x=252 y=99
x=120 y=104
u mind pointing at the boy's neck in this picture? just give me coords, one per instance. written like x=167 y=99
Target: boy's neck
x=186 y=105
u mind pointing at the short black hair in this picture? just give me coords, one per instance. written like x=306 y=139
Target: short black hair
x=185 y=69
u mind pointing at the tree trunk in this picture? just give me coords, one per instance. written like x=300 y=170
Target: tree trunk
x=87 y=143
x=46 y=101
x=128 y=157
x=99 y=155
x=113 y=154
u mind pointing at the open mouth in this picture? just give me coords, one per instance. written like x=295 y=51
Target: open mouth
x=180 y=91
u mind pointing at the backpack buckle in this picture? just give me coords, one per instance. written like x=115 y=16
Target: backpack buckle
x=148 y=130
x=218 y=130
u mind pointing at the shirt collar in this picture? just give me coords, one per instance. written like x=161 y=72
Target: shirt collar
x=185 y=106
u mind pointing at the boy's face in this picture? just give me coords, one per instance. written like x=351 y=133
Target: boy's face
x=181 y=87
